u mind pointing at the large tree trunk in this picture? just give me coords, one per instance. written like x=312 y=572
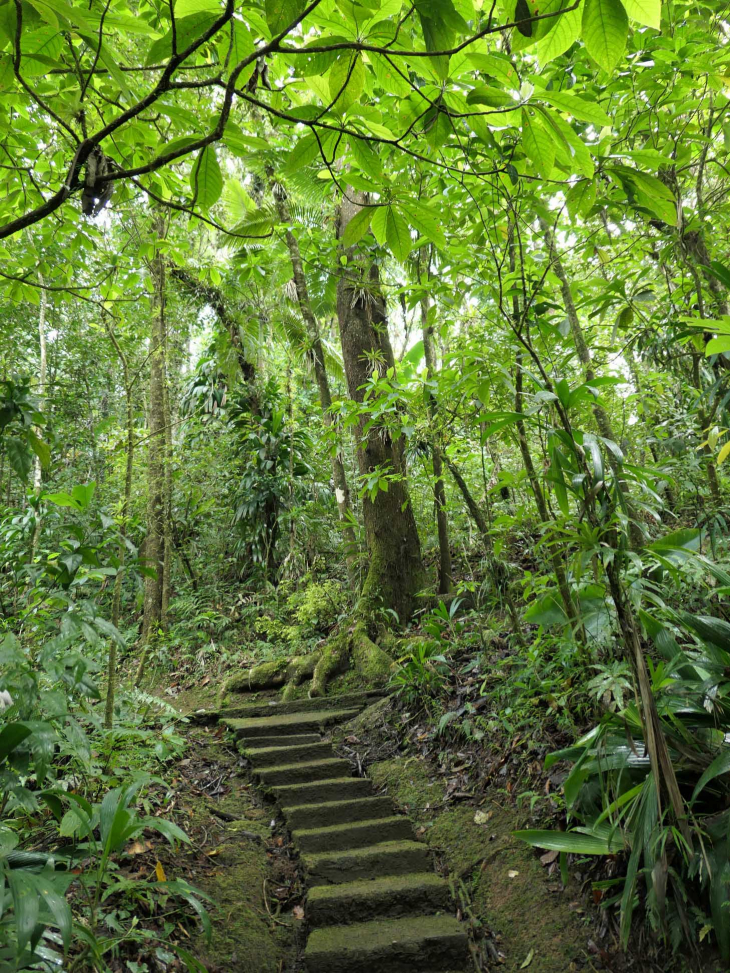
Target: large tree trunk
x=342 y=489
x=395 y=572
x=439 y=491
x=155 y=548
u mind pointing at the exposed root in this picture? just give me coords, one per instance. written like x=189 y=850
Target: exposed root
x=352 y=649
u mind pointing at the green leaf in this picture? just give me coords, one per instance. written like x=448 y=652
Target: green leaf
x=647 y=12
x=40 y=448
x=720 y=765
x=580 y=198
x=184 y=8
x=579 y=157
x=346 y=81
x=61 y=500
x=358 y=226
x=206 y=180
x=38 y=48
x=56 y=905
x=561 y=37
x=11 y=736
x=538 y=143
x=19 y=457
x=378 y=224
x=605 y=30
x=573 y=842
x=25 y=903
x=398 y=235
x=424 y=221
x=579 y=108
x=281 y=13
x=718 y=345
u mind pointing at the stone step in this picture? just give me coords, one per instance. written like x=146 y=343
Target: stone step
x=394 y=896
x=304 y=772
x=353 y=834
x=279 y=707
x=249 y=729
x=319 y=791
x=388 y=946
x=337 y=812
x=301 y=753
x=287 y=741
x=390 y=858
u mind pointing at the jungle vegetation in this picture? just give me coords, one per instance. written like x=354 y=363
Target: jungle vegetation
x=324 y=326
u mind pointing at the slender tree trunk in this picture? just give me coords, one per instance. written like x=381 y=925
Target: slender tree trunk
x=123 y=528
x=168 y=545
x=542 y=509
x=636 y=535
x=395 y=572
x=498 y=572
x=339 y=477
x=439 y=491
x=156 y=462
x=42 y=378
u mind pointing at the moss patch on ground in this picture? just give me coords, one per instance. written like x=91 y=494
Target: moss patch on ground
x=236 y=861
x=530 y=917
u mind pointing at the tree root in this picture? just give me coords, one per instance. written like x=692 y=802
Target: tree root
x=352 y=649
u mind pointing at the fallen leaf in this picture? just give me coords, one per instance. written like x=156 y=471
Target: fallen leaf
x=513 y=873
x=298 y=912
x=139 y=847
x=160 y=872
x=481 y=817
x=549 y=857
x=527 y=960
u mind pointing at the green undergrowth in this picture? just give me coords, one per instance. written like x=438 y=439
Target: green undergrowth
x=506 y=887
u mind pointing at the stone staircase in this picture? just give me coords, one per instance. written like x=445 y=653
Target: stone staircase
x=374 y=902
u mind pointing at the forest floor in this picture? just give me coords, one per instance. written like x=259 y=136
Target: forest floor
x=465 y=797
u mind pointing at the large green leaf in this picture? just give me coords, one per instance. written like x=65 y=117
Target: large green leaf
x=579 y=108
x=398 y=235
x=648 y=12
x=538 y=143
x=19 y=456
x=206 y=179
x=574 y=842
x=719 y=766
x=605 y=30
x=562 y=36
x=11 y=736
x=358 y=226
x=346 y=81
x=425 y=222
x=281 y=13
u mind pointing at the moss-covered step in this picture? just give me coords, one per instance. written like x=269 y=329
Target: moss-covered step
x=388 y=946
x=353 y=834
x=393 y=896
x=290 y=723
x=337 y=812
x=389 y=858
x=292 y=740
x=320 y=791
x=299 y=753
x=303 y=772
x=279 y=707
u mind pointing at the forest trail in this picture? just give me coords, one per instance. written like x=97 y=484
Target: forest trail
x=374 y=901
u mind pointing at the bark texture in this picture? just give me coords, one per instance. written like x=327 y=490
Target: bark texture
x=395 y=572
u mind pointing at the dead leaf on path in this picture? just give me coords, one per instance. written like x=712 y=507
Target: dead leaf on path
x=139 y=847
x=549 y=857
x=205 y=681
x=160 y=872
x=481 y=817
x=513 y=873
x=527 y=960
x=298 y=912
